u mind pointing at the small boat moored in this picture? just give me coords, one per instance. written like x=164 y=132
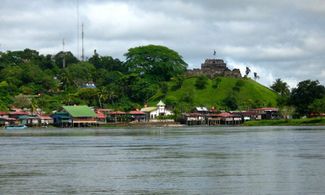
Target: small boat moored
x=15 y=127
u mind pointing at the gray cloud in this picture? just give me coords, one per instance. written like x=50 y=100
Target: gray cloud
x=278 y=39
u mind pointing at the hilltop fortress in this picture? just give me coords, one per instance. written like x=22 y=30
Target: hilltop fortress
x=213 y=68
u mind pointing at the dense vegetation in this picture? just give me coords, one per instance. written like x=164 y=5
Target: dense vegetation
x=149 y=73
x=31 y=80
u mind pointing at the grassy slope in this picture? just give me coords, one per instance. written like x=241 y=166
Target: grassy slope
x=251 y=91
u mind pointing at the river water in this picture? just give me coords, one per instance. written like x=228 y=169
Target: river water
x=202 y=160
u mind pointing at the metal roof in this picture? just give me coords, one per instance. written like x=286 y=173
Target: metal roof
x=80 y=111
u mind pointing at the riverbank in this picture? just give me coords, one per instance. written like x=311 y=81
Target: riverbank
x=290 y=122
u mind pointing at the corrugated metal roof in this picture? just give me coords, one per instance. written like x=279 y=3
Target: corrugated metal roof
x=80 y=111
x=136 y=112
x=201 y=109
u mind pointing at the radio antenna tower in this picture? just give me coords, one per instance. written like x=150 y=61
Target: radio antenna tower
x=82 y=43
x=78 y=37
x=63 y=60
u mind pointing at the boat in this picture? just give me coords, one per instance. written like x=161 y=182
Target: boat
x=15 y=127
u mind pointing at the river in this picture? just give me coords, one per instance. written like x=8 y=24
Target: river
x=186 y=160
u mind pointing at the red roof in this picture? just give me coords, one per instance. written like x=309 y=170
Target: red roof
x=18 y=113
x=136 y=112
x=117 y=113
x=45 y=117
x=223 y=115
x=8 y=119
x=193 y=114
x=100 y=115
x=266 y=109
x=3 y=113
x=104 y=110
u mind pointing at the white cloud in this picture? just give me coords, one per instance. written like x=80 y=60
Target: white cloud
x=277 y=39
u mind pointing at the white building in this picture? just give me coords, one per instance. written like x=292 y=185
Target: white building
x=154 y=112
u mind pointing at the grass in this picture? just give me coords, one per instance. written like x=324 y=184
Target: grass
x=249 y=93
x=290 y=122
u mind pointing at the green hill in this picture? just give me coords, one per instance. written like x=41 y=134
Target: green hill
x=245 y=92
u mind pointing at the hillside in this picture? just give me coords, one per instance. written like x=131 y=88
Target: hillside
x=246 y=93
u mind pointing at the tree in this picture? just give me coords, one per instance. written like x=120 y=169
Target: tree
x=216 y=83
x=107 y=62
x=281 y=87
x=178 y=80
x=102 y=95
x=80 y=73
x=154 y=62
x=305 y=94
x=318 y=106
x=68 y=57
x=201 y=82
x=22 y=101
x=230 y=102
x=247 y=71
x=256 y=76
x=287 y=111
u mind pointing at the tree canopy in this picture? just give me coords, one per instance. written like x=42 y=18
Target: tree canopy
x=305 y=94
x=155 y=62
x=281 y=87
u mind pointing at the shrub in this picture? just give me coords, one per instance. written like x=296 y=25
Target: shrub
x=201 y=82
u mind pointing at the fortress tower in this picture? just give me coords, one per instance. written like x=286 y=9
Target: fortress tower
x=213 y=68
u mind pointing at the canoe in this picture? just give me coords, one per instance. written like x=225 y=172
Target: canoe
x=15 y=127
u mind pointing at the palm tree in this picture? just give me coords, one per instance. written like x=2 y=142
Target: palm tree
x=102 y=95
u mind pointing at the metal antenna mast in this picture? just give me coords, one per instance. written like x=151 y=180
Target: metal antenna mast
x=82 y=43
x=78 y=45
x=63 y=60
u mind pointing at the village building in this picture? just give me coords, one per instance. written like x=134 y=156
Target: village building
x=75 y=116
x=101 y=117
x=224 y=118
x=137 y=116
x=156 y=111
x=266 y=113
x=201 y=110
x=4 y=114
x=62 y=119
x=45 y=120
x=18 y=113
x=6 y=120
x=193 y=118
x=117 y=116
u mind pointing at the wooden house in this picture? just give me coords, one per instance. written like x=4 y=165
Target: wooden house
x=137 y=115
x=75 y=116
x=62 y=119
x=117 y=116
x=193 y=118
x=224 y=118
x=266 y=113
x=81 y=116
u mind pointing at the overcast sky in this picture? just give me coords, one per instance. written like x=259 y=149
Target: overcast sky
x=277 y=39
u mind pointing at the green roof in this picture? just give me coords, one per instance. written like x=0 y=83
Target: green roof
x=80 y=111
x=161 y=103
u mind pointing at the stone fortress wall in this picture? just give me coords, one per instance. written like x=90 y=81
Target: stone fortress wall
x=214 y=68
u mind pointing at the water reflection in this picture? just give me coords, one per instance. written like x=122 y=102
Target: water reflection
x=164 y=161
